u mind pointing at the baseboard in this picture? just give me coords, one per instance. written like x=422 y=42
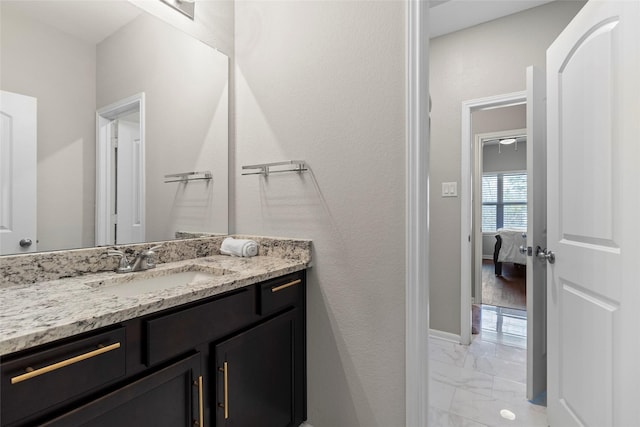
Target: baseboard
x=488 y=257
x=305 y=424
x=446 y=336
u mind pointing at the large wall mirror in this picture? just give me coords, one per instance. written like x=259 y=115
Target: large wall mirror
x=107 y=69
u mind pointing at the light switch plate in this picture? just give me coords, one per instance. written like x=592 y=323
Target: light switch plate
x=450 y=189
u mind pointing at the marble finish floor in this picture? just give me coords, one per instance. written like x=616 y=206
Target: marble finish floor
x=479 y=385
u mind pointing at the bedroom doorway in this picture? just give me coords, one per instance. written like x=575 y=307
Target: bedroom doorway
x=500 y=225
x=487 y=122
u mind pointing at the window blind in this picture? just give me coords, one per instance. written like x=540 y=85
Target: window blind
x=504 y=201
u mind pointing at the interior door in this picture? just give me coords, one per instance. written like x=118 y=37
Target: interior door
x=536 y=233
x=593 y=90
x=18 y=163
x=129 y=176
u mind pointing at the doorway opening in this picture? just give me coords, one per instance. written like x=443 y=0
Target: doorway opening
x=531 y=101
x=500 y=225
x=120 y=172
x=487 y=119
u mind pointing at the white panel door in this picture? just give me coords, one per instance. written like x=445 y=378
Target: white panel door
x=18 y=163
x=593 y=91
x=130 y=224
x=536 y=233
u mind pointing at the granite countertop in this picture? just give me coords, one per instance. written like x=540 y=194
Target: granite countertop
x=37 y=313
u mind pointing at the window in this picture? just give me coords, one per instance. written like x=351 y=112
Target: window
x=504 y=201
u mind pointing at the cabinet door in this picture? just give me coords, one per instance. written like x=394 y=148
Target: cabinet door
x=169 y=397
x=255 y=375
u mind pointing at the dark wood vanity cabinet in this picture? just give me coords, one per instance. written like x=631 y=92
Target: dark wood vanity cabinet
x=236 y=359
x=256 y=375
x=168 y=397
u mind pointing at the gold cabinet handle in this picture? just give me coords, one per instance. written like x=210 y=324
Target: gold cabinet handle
x=201 y=407
x=31 y=373
x=286 y=285
x=225 y=385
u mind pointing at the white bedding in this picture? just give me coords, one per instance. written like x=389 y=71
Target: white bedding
x=510 y=249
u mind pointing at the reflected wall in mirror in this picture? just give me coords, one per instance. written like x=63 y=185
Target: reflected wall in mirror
x=76 y=58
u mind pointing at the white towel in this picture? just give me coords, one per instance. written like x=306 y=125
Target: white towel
x=239 y=247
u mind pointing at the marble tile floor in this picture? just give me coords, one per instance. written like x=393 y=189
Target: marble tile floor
x=479 y=385
x=504 y=326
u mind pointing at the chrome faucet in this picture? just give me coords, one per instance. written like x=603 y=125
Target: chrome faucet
x=123 y=265
x=144 y=260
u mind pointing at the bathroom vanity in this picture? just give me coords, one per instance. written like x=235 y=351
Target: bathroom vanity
x=227 y=347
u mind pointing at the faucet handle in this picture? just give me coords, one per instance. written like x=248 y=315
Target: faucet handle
x=123 y=266
x=151 y=262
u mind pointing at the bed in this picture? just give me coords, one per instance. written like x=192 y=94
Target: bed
x=507 y=248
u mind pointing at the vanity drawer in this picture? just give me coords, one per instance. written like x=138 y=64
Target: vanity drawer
x=280 y=293
x=175 y=333
x=35 y=382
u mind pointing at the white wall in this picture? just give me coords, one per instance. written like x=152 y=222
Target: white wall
x=213 y=21
x=59 y=71
x=486 y=60
x=324 y=82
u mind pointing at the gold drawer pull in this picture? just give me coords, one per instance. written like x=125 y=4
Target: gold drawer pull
x=225 y=404
x=37 y=372
x=286 y=285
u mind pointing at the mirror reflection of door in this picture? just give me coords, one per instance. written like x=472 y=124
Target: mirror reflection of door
x=120 y=173
x=127 y=224
x=18 y=152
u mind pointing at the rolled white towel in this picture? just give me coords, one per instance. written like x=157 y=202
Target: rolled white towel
x=239 y=247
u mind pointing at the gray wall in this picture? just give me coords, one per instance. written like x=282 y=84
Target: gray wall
x=324 y=82
x=507 y=160
x=486 y=60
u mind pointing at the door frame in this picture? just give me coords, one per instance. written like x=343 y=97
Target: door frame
x=467 y=143
x=417 y=214
x=104 y=164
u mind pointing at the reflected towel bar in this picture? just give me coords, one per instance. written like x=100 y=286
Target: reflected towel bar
x=189 y=176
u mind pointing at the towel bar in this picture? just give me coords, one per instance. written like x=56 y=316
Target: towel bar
x=265 y=168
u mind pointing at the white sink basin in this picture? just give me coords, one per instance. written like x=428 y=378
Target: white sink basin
x=132 y=284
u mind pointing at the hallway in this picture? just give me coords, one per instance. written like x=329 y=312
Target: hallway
x=479 y=385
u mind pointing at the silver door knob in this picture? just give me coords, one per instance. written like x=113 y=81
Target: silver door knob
x=544 y=254
x=25 y=243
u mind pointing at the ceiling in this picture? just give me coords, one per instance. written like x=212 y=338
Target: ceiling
x=94 y=24
x=447 y=16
